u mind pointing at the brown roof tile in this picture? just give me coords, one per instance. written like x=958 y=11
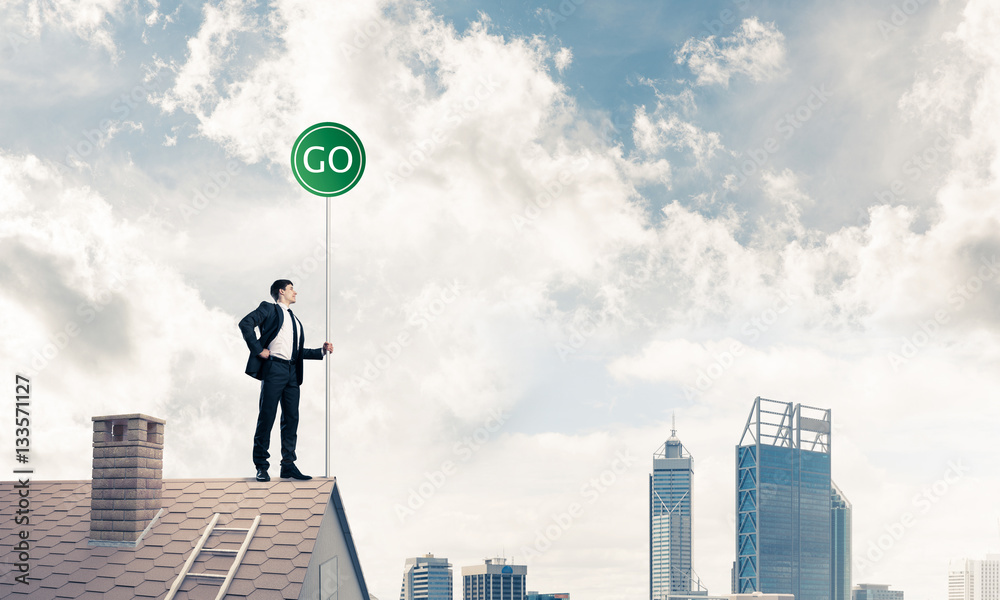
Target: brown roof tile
x=172 y=561
x=162 y=573
x=101 y=584
x=176 y=547
x=241 y=587
x=212 y=493
x=195 y=487
x=118 y=593
x=251 y=572
x=130 y=579
x=291 y=590
x=289 y=539
x=82 y=574
x=269 y=581
x=261 y=594
x=276 y=565
x=237 y=487
x=281 y=551
x=226 y=507
x=297 y=514
x=254 y=558
x=71 y=590
x=112 y=570
x=150 y=589
x=140 y=565
x=300 y=503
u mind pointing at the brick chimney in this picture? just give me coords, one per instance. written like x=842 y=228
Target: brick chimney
x=127 y=490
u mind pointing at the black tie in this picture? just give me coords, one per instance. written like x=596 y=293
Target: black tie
x=295 y=336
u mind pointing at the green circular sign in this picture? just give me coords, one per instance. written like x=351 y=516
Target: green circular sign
x=328 y=159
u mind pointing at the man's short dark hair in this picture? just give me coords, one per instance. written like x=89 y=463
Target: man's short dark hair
x=279 y=285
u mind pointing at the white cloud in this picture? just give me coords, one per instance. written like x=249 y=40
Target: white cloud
x=756 y=49
x=652 y=135
x=88 y=19
x=563 y=58
x=208 y=53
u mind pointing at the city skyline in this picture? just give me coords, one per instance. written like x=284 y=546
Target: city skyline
x=670 y=493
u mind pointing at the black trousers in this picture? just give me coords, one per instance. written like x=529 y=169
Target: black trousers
x=279 y=386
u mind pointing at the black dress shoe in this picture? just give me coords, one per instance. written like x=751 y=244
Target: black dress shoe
x=262 y=474
x=292 y=472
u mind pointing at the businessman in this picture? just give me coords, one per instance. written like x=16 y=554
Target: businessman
x=276 y=360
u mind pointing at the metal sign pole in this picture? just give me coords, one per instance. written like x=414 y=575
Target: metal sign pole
x=327 y=359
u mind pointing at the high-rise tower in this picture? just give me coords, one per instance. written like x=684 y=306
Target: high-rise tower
x=670 y=519
x=783 y=507
x=840 y=523
x=426 y=578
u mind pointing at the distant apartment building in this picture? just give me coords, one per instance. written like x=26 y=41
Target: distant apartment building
x=759 y=596
x=426 y=578
x=875 y=591
x=975 y=579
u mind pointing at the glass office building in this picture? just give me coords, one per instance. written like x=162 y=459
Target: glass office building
x=670 y=520
x=783 y=509
x=840 y=532
x=426 y=578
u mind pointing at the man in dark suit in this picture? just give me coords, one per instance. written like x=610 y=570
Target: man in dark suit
x=276 y=360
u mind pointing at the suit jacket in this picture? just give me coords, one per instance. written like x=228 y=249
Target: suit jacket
x=268 y=318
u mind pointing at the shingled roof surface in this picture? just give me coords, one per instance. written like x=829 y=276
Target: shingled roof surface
x=64 y=565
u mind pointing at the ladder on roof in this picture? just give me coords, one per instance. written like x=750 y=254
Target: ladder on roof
x=200 y=547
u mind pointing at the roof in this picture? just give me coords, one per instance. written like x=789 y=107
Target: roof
x=64 y=565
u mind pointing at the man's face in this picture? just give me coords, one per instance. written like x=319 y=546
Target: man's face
x=288 y=293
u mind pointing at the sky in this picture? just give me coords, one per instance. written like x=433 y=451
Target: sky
x=577 y=221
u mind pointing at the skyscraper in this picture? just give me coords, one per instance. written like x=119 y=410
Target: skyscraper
x=783 y=510
x=670 y=519
x=426 y=578
x=840 y=528
x=494 y=580
x=975 y=579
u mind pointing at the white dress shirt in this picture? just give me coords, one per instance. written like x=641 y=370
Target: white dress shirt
x=281 y=346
